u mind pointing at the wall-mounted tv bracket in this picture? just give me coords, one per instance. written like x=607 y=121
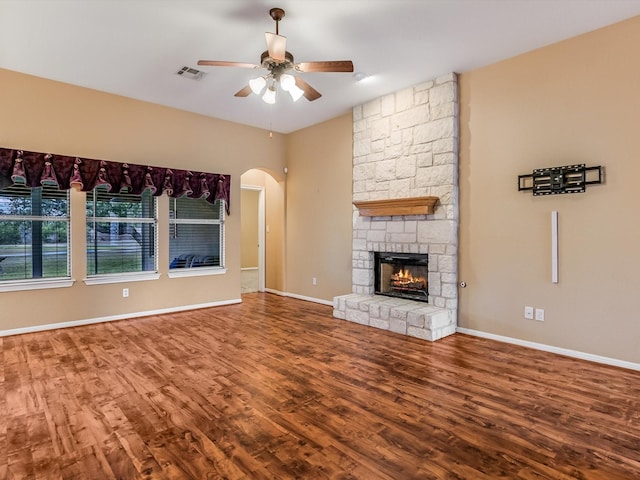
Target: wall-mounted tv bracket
x=557 y=180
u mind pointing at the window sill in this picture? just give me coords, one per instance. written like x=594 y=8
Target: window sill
x=18 y=285
x=121 y=278
x=196 y=272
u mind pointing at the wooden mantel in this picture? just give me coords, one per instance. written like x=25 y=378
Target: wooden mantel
x=397 y=206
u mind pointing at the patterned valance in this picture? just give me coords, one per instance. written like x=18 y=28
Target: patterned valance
x=35 y=169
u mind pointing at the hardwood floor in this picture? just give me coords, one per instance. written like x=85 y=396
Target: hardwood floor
x=275 y=388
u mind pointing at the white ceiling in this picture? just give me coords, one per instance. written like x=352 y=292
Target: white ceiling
x=134 y=47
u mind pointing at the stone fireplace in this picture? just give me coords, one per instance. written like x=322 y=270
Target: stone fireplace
x=405 y=194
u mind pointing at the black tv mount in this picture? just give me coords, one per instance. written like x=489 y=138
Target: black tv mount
x=558 y=180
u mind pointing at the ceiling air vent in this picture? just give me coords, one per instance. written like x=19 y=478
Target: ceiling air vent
x=192 y=73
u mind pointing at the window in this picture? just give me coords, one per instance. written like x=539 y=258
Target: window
x=196 y=234
x=121 y=233
x=34 y=233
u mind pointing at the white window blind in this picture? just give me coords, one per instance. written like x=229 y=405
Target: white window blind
x=34 y=233
x=196 y=233
x=121 y=233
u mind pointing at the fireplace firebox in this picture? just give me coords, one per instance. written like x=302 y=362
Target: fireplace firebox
x=402 y=275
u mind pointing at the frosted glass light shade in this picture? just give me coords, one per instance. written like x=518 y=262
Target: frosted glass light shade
x=257 y=84
x=287 y=82
x=269 y=96
x=295 y=93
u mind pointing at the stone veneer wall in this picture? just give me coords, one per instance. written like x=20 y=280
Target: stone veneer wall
x=406 y=145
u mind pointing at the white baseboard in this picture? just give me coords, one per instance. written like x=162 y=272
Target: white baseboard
x=275 y=292
x=310 y=299
x=548 y=348
x=89 y=321
x=299 y=297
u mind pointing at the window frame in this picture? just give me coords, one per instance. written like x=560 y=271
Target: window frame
x=122 y=277
x=175 y=222
x=37 y=283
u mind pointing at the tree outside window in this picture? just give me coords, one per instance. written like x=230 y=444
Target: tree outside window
x=121 y=233
x=34 y=233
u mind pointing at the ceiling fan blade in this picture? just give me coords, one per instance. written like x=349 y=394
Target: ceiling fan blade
x=329 y=66
x=243 y=92
x=310 y=93
x=216 y=63
x=276 y=45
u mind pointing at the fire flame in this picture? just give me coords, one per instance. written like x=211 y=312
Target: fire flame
x=404 y=274
x=404 y=277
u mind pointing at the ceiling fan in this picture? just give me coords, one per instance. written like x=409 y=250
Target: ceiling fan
x=279 y=63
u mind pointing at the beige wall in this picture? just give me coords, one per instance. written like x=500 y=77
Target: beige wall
x=577 y=101
x=319 y=209
x=275 y=194
x=46 y=116
x=249 y=228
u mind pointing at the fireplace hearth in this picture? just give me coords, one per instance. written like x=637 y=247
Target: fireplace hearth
x=402 y=275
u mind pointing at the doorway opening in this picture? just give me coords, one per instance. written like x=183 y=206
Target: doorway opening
x=252 y=261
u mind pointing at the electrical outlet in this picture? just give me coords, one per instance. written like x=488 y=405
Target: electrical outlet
x=314 y=281
x=125 y=292
x=528 y=313
x=540 y=314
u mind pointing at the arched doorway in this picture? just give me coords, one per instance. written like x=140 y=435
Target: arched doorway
x=262 y=232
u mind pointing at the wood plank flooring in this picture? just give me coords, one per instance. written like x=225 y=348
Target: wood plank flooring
x=275 y=388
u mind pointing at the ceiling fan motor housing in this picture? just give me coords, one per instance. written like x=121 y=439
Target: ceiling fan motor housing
x=275 y=66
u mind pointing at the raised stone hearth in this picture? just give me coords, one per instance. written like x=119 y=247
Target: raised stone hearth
x=395 y=314
x=405 y=149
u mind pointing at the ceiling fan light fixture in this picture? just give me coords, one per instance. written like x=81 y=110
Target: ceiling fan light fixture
x=270 y=95
x=287 y=82
x=257 y=85
x=277 y=60
x=296 y=93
